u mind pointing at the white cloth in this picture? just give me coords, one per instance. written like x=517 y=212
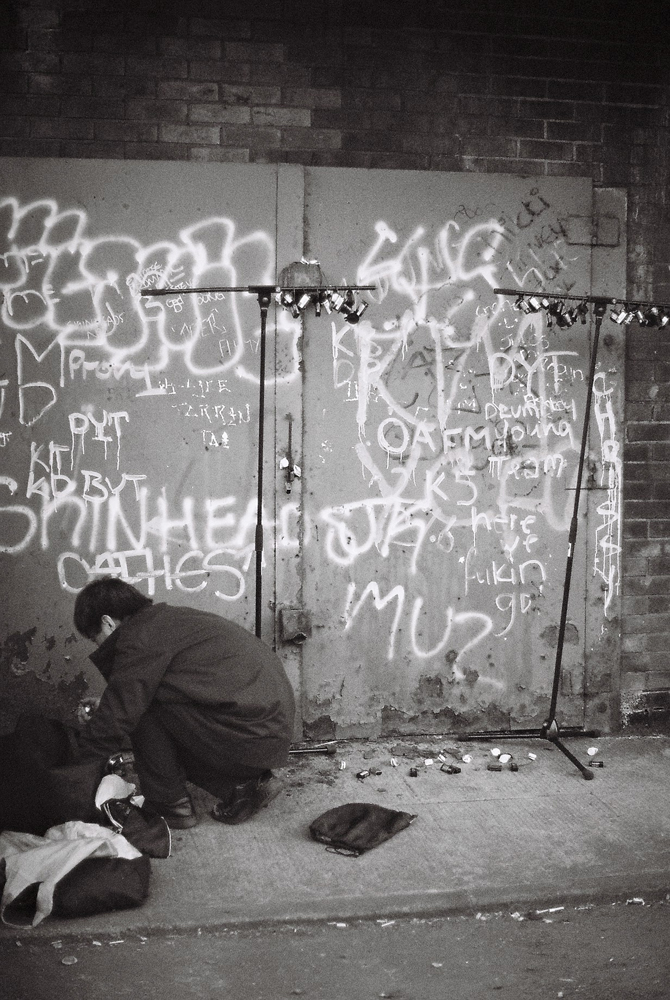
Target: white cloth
x=45 y=860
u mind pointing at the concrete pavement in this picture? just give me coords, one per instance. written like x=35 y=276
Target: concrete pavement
x=538 y=837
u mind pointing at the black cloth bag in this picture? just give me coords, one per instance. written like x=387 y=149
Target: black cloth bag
x=356 y=827
x=43 y=781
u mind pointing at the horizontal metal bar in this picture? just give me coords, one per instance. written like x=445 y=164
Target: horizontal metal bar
x=256 y=289
x=596 y=299
x=559 y=295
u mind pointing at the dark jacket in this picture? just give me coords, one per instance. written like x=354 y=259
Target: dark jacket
x=200 y=663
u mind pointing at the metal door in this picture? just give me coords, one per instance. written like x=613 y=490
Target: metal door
x=441 y=438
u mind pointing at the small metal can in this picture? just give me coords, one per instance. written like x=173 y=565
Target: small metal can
x=362 y=774
x=450 y=769
x=596 y=763
x=413 y=773
x=494 y=767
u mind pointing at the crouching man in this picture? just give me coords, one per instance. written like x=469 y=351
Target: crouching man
x=200 y=698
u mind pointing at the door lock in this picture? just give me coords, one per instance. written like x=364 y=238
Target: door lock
x=286 y=463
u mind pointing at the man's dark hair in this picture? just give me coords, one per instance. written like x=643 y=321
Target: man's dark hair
x=107 y=596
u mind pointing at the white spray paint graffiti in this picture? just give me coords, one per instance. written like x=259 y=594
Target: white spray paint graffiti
x=466 y=415
x=490 y=449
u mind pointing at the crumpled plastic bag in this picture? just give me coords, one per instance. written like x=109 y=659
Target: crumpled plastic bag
x=30 y=859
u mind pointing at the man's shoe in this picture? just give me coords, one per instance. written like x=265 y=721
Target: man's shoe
x=247 y=798
x=179 y=815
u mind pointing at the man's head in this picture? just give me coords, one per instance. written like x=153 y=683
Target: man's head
x=103 y=603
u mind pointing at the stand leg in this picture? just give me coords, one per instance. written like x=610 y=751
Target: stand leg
x=549 y=730
x=264 y=303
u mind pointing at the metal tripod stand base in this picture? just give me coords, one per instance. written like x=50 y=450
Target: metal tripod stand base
x=549 y=731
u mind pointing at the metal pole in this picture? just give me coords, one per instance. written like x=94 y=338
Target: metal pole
x=599 y=311
x=263 y=302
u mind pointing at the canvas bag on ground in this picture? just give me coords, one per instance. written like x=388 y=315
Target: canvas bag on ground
x=76 y=869
x=357 y=827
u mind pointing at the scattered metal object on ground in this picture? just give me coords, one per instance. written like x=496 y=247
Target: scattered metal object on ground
x=327 y=748
x=494 y=767
x=413 y=772
x=450 y=769
x=362 y=774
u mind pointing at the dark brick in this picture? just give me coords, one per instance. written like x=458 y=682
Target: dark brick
x=196 y=134
x=534 y=149
x=161 y=111
x=254 y=52
x=13 y=83
x=220 y=113
x=279 y=74
x=647 y=508
x=566 y=90
x=659 y=566
x=31 y=105
x=638 y=491
x=60 y=41
x=372 y=99
x=189 y=48
x=159 y=66
x=29 y=147
x=91 y=107
x=243 y=94
x=339 y=158
x=343 y=119
x=618 y=93
x=547 y=110
x=217 y=27
x=185 y=90
x=635 y=568
x=218 y=154
x=124 y=131
x=50 y=83
x=61 y=128
x=489 y=146
x=635 y=529
x=648 y=432
x=651 y=586
x=30 y=62
x=636 y=606
x=156 y=151
x=92 y=150
x=222 y=72
x=126 y=43
x=89 y=62
x=311 y=138
x=251 y=136
x=647 y=623
x=123 y=86
x=311 y=97
x=282 y=117
x=15 y=127
x=372 y=140
x=516 y=86
x=521 y=128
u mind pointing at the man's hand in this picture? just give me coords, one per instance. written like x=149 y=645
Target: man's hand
x=86 y=708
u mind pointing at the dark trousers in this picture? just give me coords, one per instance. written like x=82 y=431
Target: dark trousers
x=170 y=749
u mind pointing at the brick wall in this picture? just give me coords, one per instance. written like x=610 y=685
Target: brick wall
x=563 y=89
